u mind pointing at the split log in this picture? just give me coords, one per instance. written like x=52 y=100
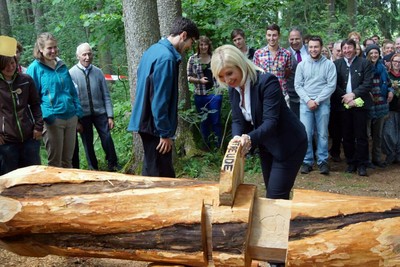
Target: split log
x=69 y=212
x=46 y=210
x=336 y=230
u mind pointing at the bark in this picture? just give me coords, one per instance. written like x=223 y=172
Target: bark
x=352 y=14
x=5 y=24
x=79 y=213
x=37 y=9
x=141 y=30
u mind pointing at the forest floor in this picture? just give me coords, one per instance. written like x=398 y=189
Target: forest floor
x=381 y=182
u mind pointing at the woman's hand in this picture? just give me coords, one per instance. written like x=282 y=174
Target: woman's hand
x=245 y=141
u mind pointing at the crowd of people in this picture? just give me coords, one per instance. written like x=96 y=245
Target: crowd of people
x=51 y=101
x=346 y=91
x=286 y=102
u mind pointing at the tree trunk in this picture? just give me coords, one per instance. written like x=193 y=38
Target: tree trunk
x=79 y=213
x=141 y=30
x=5 y=24
x=352 y=14
x=37 y=8
x=331 y=8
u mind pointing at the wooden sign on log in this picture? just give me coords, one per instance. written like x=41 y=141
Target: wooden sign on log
x=232 y=173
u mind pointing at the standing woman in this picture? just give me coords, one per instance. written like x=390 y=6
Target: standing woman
x=59 y=101
x=21 y=117
x=381 y=96
x=391 y=128
x=261 y=118
x=206 y=99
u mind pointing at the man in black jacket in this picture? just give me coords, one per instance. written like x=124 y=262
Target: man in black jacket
x=354 y=82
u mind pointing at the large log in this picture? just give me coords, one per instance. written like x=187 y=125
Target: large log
x=336 y=230
x=46 y=210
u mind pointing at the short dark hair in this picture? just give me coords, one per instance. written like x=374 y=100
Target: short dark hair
x=274 y=27
x=237 y=32
x=182 y=24
x=348 y=42
x=317 y=38
x=4 y=61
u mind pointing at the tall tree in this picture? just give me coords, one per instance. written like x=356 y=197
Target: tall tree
x=37 y=8
x=352 y=13
x=5 y=24
x=141 y=30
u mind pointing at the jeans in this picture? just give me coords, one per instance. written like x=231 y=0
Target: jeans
x=18 y=155
x=316 y=120
x=212 y=105
x=100 y=122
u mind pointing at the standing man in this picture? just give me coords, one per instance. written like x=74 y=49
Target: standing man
x=299 y=53
x=155 y=111
x=315 y=81
x=239 y=40
x=354 y=83
x=337 y=50
x=97 y=107
x=275 y=59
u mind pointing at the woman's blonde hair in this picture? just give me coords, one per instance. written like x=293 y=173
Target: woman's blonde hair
x=230 y=56
x=40 y=44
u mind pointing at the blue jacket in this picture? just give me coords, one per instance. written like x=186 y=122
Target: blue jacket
x=58 y=96
x=275 y=127
x=155 y=110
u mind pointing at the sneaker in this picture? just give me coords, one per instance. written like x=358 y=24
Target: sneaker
x=323 y=168
x=305 y=168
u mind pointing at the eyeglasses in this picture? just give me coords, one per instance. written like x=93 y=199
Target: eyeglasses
x=396 y=61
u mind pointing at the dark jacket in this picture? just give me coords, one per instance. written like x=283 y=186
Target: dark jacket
x=276 y=127
x=361 y=82
x=20 y=111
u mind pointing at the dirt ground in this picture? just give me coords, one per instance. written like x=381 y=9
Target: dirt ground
x=381 y=182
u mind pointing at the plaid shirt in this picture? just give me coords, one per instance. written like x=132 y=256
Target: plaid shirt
x=277 y=66
x=195 y=70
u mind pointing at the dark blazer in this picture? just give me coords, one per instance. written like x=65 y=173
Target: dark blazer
x=361 y=81
x=276 y=127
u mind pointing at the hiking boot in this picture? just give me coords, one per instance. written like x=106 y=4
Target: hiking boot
x=305 y=168
x=323 y=168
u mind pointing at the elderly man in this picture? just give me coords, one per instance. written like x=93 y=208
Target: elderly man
x=97 y=107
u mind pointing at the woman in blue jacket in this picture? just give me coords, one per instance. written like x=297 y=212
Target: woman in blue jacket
x=59 y=101
x=261 y=118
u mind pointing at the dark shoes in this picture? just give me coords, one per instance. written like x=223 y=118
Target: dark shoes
x=379 y=164
x=362 y=171
x=351 y=168
x=323 y=168
x=305 y=168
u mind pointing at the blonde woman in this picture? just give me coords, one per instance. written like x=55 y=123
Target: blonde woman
x=261 y=118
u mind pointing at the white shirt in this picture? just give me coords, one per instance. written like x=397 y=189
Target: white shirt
x=246 y=110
